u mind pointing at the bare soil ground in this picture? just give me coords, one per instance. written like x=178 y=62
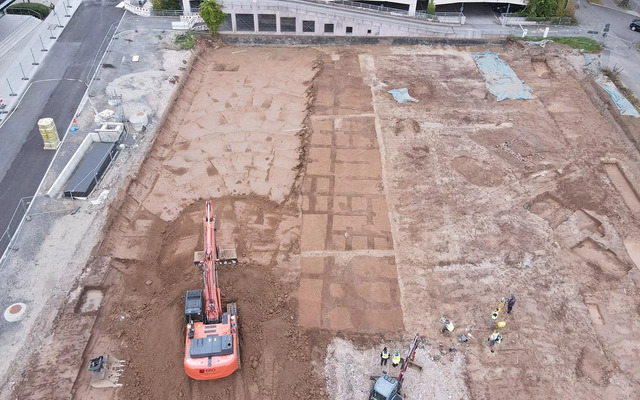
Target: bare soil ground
x=360 y=221
x=533 y=198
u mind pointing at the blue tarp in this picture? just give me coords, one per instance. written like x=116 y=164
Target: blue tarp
x=499 y=78
x=625 y=107
x=402 y=95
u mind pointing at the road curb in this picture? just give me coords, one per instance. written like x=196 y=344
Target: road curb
x=628 y=12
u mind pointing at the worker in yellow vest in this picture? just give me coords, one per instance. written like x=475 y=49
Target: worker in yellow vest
x=384 y=356
x=448 y=326
x=395 y=361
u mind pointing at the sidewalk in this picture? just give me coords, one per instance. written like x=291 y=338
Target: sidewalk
x=18 y=73
x=613 y=5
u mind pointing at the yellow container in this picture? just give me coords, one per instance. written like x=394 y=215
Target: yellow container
x=49 y=133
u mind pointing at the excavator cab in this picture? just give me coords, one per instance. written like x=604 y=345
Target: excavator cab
x=386 y=388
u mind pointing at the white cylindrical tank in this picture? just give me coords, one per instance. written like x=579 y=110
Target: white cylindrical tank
x=139 y=120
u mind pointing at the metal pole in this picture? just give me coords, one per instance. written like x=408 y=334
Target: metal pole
x=59 y=23
x=24 y=76
x=69 y=5
x=11 y=89
x=51 y=37
x=34 y=58
x=42 y=43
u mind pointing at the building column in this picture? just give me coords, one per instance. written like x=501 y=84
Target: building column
x=412 y=7
x=186 y=7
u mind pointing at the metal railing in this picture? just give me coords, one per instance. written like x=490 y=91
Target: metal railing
x=513 y=17
x=24 y=11
x=372 y=7
x=166 y=13
x=6 y=239
x=95 y=67
x=426 y=16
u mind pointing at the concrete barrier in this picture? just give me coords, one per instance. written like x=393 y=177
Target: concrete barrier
x=103 y=136
x=258 y=40
x=143 y=12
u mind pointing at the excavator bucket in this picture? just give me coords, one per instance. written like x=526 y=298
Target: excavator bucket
x=105 y=371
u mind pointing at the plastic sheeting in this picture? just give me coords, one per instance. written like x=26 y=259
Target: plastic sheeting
x=624 y=106
x=499 y=78
x=402 y=95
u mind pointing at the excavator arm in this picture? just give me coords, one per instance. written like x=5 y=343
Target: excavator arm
x=210 y=268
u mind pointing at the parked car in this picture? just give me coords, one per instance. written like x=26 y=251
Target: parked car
x=635 y=25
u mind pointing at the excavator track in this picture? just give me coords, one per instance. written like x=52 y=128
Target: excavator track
x=232 y=308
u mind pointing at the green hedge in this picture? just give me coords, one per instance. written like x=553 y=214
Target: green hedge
x=37 y=10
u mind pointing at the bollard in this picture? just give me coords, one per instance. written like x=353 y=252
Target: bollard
x=546 y=33
x=42 y=43
x=24 y=76
x=59 y=23
x=11 y=89
x=34 y=58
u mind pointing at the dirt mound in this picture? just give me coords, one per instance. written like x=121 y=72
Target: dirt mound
x=145 y=317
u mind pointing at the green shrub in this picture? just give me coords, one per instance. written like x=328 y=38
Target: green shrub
x=577 y=42
x=37 y=10
x=186 y=40
x=541 y=9
x=431 y=8
x=581 y=43
x=212 y=14
x=166 y=4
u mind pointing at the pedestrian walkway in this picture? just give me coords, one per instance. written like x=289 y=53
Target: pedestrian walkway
x=13 y=29
x=613 y=5
x=15 y=33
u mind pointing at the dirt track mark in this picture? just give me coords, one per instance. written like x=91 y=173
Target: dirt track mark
x=345 y=214
x=623 y=185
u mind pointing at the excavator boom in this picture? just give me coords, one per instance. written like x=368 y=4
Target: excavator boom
x=210 y=267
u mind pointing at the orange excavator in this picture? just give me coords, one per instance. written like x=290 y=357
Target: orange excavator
x=212 y=349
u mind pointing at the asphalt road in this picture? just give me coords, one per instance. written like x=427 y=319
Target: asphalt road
x=55 y=92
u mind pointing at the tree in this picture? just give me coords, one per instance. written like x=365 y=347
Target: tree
x=166 y=4
x=212 y=14
x=431 y=7
x=540 y=9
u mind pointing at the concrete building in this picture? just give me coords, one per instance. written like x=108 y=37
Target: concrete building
x=408 y=7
